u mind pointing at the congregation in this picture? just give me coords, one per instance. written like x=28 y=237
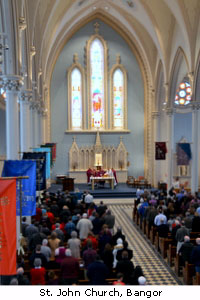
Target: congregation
x=174 y=217
x=71 y=241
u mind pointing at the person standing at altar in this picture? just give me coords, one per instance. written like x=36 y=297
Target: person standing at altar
x=100 y=172
x=115 y=176
x=89 y=174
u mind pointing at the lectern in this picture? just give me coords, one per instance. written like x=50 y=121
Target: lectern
x=67 y=182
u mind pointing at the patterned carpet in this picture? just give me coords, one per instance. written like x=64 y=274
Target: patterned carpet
x=155 y=269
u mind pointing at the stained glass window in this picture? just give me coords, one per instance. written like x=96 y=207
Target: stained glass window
x=97 y=83
x=118 y=98
x=183 y=94
x=76 y=105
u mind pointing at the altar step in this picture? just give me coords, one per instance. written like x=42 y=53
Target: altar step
x=113 y=194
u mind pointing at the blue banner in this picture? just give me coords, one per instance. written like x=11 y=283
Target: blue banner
x=40 y=159
x=184 y=154
x=48 y=159
x=15 y=168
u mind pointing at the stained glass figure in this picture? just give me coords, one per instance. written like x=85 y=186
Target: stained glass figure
x=118 y=98
x=76 y=105
x=97 y=84
x=183 y=94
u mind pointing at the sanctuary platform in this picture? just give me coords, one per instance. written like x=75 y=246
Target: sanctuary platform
x=120 y=191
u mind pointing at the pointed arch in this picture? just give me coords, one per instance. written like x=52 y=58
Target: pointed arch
x=160 y=91
x=197 y=81
x=178 y=72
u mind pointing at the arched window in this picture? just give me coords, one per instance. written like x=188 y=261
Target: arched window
x=97 y=73
x=118 y=98
x=76 y=104
x=97 y=84
x=118 y=102
x=183 y=93
x=75 y=96
x=96 y=97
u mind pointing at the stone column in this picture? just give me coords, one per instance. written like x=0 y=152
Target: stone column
x=170 y=146
x=155 y=117
x=32 y=123
x=195 y=148
x=12 y=85
x=38 y=124
x=25 y=126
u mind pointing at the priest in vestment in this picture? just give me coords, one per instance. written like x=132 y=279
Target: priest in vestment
x=89 y=174
x=115 y=175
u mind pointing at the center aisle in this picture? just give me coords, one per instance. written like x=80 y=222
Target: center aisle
x=153 y=265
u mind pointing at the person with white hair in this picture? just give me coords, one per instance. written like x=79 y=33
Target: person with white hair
x=45 y=249
x=22 y=280
x=117 y=247
x=181 y=232
x=38 y=273
x=14 y=281
x=186 y=250
x=142 y=280
x=74 y=245
x=69 y=269
x=84 y=225
x=110 y=220
x=195 y=256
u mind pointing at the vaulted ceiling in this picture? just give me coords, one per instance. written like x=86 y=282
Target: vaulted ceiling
x=156 y=27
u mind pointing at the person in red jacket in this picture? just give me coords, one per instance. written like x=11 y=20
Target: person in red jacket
x=69 y=269
x=38 y=273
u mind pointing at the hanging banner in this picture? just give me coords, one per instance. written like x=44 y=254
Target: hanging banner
x=53 y=151
x=48 y=159
x=184 y=154
x=15 y=168
x=40 y=159
x=160 y=150
x=7 y=227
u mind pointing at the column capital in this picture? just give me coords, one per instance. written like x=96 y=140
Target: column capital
x=12 y=82
x=34 y=105
x=169 y=111
x=155 y=114
x=32 y=50
x=22 y=23
x=26 y=96
x=195 y=105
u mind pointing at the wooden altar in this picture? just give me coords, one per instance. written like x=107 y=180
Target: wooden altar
x=81 y=158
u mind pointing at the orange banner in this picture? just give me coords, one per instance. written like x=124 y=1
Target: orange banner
x=7 y=227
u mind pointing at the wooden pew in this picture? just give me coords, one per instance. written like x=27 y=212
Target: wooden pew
x=86 y=281
x=177 y=264
x=153 y=231
x=156 y=241
x=144 y=226
x=134 y=213
x=147 y=231
x=196 y=279
x=171 y=254
x=137 y=218
x=164 y=245
x=188 y=273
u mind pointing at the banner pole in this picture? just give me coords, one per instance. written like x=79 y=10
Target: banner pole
x=20 y=199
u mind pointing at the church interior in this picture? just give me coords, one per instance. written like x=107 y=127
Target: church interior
x=115 y=85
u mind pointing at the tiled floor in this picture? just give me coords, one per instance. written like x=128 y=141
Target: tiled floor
x=155 y=269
